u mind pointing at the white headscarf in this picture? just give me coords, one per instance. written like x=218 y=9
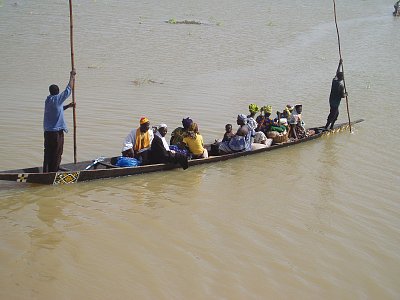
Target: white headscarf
x=243 y=118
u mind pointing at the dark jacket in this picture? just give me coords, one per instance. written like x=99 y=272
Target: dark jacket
x=158 y=152
x=337 y=92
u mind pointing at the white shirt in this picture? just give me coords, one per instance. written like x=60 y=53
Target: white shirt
x=252 y=123
x=130 y=140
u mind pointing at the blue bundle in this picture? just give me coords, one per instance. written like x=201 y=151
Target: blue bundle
x=179 y=150
x=123 y=161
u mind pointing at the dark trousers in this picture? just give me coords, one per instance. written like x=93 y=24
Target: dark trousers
x=332 y=117
x=53 y=150
x=144 y=156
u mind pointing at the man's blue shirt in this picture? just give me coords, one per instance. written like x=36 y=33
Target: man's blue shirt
x=54 y=111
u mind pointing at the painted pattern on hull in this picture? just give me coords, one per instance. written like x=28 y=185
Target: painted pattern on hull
x=66 y=178
x=22 y=177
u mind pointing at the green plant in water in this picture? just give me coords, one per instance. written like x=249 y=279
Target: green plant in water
x=188 y=22
x=172 y=21
x=143 y=81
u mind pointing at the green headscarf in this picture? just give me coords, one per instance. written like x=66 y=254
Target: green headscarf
x=253 y=108
x=267 y=109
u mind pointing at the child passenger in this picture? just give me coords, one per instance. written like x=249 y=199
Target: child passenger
x=228 y=133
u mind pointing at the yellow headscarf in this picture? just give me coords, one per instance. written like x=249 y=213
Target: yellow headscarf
x=143 y=120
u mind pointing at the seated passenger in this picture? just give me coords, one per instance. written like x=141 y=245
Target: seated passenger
x=228 y=133
x=277 y=129
x=260 y=119
x=241 y=141
x=194 y=141
x=297 y=130
x=264 y=122
x=179 y=132
x=138 y=141
x=253 y=109
x=285 y=114
x=279 y=125
x=289 y=109
x=161 y=153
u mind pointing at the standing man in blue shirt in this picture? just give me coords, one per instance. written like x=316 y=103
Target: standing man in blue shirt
x=54 y=124
x=336 y=95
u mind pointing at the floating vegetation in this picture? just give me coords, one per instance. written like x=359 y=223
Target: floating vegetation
x=270 y=23
x=214 y=20
x=93 y=67
x=189 y=22
x=171 y=21
x=143 y=81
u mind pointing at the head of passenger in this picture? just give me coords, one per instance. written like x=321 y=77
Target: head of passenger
x=267 y=110
x=194 y=128
x=299 y=108
x=162 y=129
x=339 y=75
x=241 y=119
x=144 y=124
x=228 y=128
x=186 y=123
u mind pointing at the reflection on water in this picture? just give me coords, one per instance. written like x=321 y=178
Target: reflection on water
x=50 y=213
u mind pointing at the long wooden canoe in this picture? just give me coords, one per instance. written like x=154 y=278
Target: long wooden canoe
x=103 y=168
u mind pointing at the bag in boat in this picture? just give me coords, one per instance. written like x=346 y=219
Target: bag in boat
x=279 y=129
x=123 y=161
x=278 y=137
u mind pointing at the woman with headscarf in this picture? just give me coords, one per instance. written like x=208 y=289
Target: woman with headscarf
x=178 y=133
x=241 y=141
x=263 y=121
x=194 y=141
x=297 y=130
x=253 y=109
x=259 y=136
x=138 y=141
x=160 y=151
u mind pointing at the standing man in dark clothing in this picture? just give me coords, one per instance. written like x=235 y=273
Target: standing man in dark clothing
x=54 y=125
x=396 y=9
x=337 y=93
